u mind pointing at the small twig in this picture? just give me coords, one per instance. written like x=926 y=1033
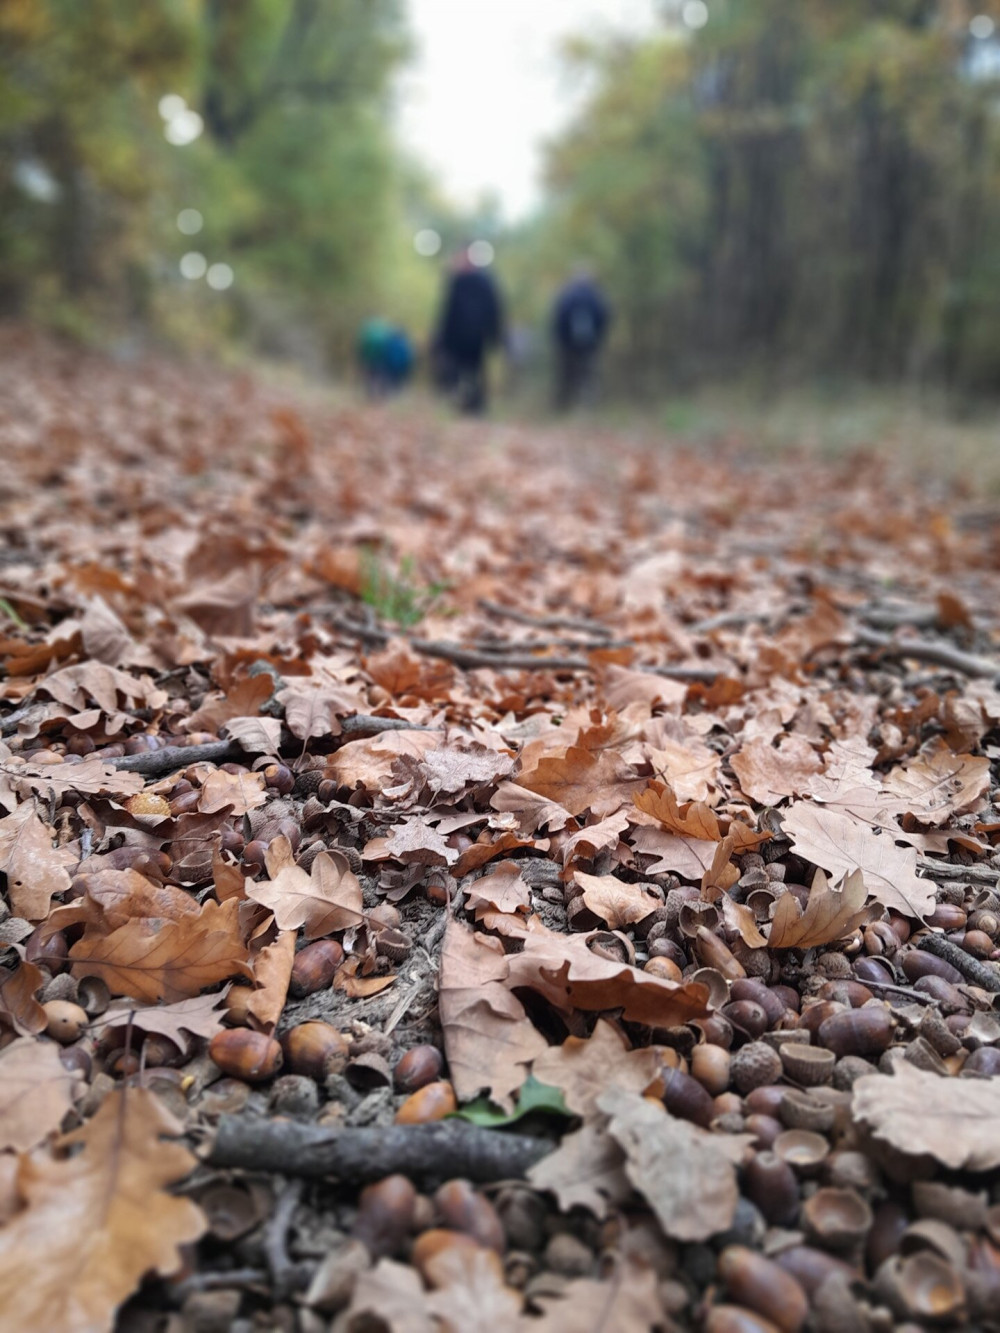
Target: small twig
x=236 y=1277
x=544 y=622
x=907 y=991
x=925 y=650
x=276 y=1234
x=157 y=763
x=11 y=722
x=541 y=645
x=361 y=724
x=730 y=620
x=443 y=1150
x=980 y=974
x=928 y=868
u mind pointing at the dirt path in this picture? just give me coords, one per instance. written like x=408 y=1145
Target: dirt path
x=359 y=765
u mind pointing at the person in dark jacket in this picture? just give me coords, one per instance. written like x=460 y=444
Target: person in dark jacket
x=580 y=320
x=385 y=355
x=470 y=325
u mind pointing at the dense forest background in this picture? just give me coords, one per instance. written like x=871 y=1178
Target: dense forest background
x=795 y=190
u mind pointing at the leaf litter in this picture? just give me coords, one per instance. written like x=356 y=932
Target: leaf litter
x=638 y=752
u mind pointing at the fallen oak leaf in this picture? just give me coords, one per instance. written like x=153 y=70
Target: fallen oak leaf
x=686 y=1174
x=937 y=784
x=921 y=1114
x=35 y=869
x=502 y=890
x=414 y=842
x=584 y=1068
x=152 y=960
x=839 y=843
x=565 y=971
x=323 y=899
x=101 y=1218
x=18 y=1005
x=769 y=774
x=237 y=792
x=272 y=971
x=587 y=1170
x=199 y=1016
x=830 y=914
x=615 y=902
x=627 y=1302
x=36 y=1091
x=695 y=820
x=581 y=780
x=346 y=979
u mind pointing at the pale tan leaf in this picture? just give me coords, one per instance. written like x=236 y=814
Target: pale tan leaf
x=35 y=869
x=469 y=1291
x=390 y=1297
x=919 y=1113
x=240 y=792
x=272 y=971
x=502 y=889
x=200 y=1016
x=584 y=1068
x=414 y=842
x=616 y=902
x=936 y=784
x=101 y=1218
x=840 y=843
x=36 y=1091
x=487 y=1037
x=830 y=914
x=768 y=774
x=587 y=1170
x=324 y=899
x=626 y=1302
x=580 y=779
x=686 y=1174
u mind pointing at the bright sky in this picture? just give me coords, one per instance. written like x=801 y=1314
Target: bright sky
x=486 y=88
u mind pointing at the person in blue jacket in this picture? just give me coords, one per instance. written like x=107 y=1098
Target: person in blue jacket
x=386 y=356
x=580 y=319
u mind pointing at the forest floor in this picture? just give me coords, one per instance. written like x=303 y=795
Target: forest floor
x=477 y=876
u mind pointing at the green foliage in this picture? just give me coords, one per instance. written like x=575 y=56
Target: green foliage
x=534 y=1097
x=395 y=595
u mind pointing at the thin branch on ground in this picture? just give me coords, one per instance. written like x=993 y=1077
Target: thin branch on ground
x=544 y=622
x=437 y=1151
x=926 y=650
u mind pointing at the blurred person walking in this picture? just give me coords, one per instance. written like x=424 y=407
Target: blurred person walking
x=580 y=320
x=470 y=325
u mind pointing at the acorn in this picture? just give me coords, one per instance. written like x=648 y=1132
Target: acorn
x=316 y=1049
x=750 y=988
x=418 y=1067
x=983 y=1063
x=710 y=1066
x=736 y=1319
x=385 y=1215
x=947 y=916
x=764 y=1128
x=866 y=1031
x=462 y=1209
x=314 y=967
x=245 y=1054
x=279 y=778
x=432 y=1250
x=771 y=1184
x=916 y=964
x=432 y=1102
x=684 y=1097
x=665 y=968
x=65 y=1021
x=747 y=1017
x=254 y=853
x=811 y=1267
x=754 y=1066
x=755 y=1281
x=49 y=951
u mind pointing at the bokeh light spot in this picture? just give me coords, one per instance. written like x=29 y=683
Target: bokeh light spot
x=190 y=221
x=219 y=277
x=193 y=265
x=183 y=128
x=171 y=105
x=481 y=254
x=427 y=242
x=695 y=14
x=982 y=27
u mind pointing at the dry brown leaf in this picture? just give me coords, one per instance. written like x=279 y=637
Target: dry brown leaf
x=936 y=784
x=686 y=1174
x=581 y=780
x=696 y=820
x=469 y=1291
x=90 y=777
x=36 y=1091
x=840 y=843
x=487 y=1037
x=626 y=1302
x=390 y=1297
x=201 y=1016
x=414 y=842
x=193 y=843
x=18 y=1005
x=101 y=1218
x=916 y=1112
x=689 y=768
x=584 y=1068
x=533 y=812
x=358 y=987
x=237 y=792
x=488 y=847
x=35 y=869
x=587 y=1170
x=768 y=774
x=323 y=899
x=449 y=770
x=272 y=971
x=257 y=735
x=244 y=700
x=615 y=902
x=151 y=959
x=569 y=975
x=371 y=763
x=502 y=889
x=595 y=838
x=688 y=857
x=830 y=914
x=315 y=707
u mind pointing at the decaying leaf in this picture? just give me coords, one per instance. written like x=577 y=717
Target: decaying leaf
x=584 y=1068
x=200 y=1016
x=34 y=867
x=841 y=844
x=686 y=1174
x=617 y=903
x=101 y=1218
x=587 y=1170
x=919 y=1113
x=322 y=900
x=769 y=773
x=487 y=1037
x=36 y=1091
x=830 y=914
x=626 y=1302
